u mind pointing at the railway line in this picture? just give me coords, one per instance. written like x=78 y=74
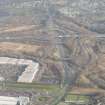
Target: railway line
x=63 y=92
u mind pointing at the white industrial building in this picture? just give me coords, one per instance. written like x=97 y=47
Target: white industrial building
x=6 y=100
x=29 y=74
x=30 y=71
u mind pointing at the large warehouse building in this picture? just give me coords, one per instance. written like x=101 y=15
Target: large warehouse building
x=30 y=71
x=6 y=100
